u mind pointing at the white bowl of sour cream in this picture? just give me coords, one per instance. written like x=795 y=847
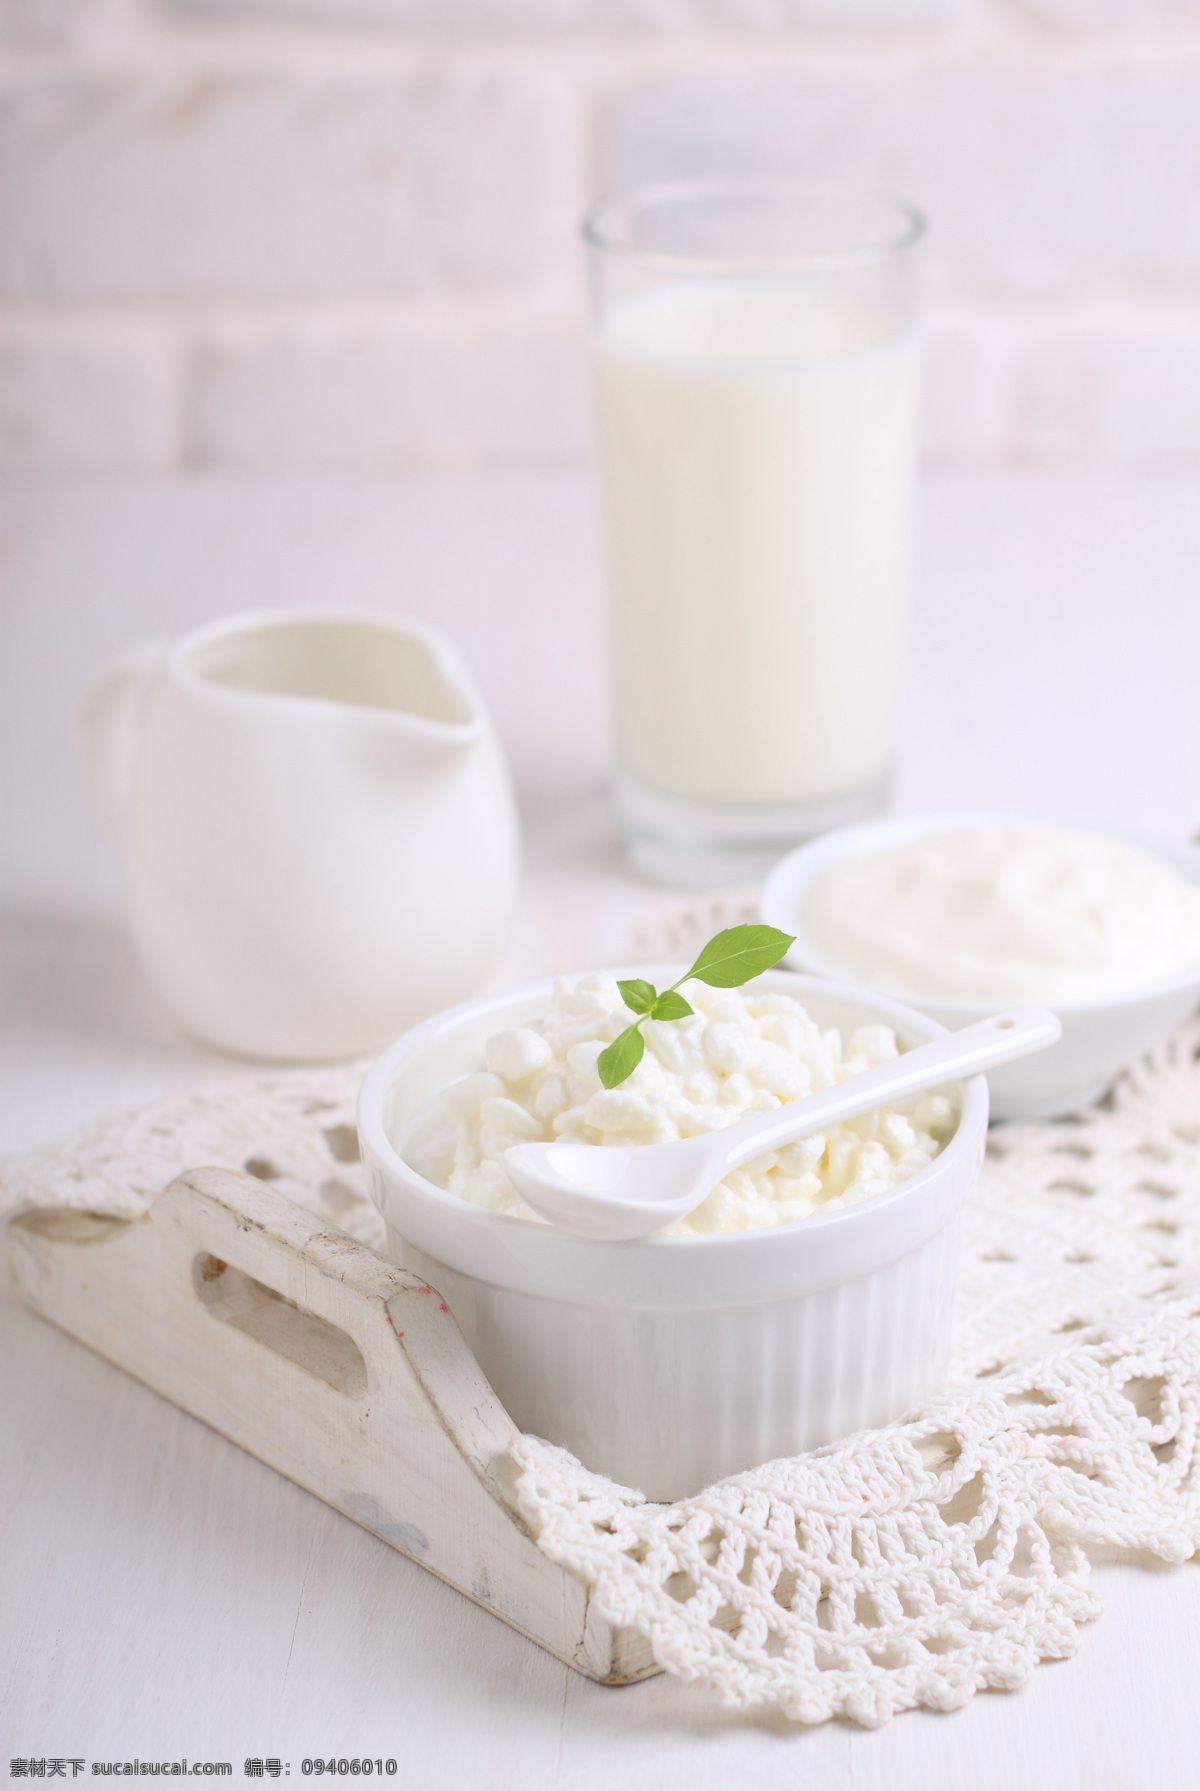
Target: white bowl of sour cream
x=813 y=1301
x=961 y=914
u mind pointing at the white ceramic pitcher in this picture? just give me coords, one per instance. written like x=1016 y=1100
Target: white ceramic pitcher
x=316 y=825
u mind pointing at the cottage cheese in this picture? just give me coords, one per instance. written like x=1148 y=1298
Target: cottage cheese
x=999 y=914
x=741 y=1052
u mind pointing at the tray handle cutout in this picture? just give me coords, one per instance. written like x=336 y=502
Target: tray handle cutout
x=312 y=1343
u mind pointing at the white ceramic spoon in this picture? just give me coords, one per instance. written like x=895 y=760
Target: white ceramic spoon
x=616 y=1192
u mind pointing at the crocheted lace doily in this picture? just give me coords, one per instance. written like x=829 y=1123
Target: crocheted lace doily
x=913 y=1565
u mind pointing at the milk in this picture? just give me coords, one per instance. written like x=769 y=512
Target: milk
x=755 y=450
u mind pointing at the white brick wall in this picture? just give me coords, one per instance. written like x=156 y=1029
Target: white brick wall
x=38 y=22
x=602 y=15
x=1109 y=390
x=86 y=398
x=257 y=234
x=1041 y=182
x=249 y=186
x=368 y=396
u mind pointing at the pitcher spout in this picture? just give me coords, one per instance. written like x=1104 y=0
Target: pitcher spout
x=403 y=678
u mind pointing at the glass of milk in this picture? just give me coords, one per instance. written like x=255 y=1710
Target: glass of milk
x=754 y=382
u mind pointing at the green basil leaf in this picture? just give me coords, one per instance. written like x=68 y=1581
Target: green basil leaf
x=670 y=1005
x=737 y=954
x=637 y=995
x=621 y=1058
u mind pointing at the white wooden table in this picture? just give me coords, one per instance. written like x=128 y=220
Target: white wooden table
x=164 y=1595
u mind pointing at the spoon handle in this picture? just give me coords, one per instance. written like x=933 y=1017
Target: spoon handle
x=993 y=1041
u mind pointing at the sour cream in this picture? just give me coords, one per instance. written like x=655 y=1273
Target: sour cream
x=739 y=1052
x=1002 y=914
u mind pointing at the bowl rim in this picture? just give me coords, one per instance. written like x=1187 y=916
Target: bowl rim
x=967 y=1136
x=782 y=898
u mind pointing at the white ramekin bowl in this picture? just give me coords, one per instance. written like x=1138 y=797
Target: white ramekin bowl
x=668 y=1363
x=1099 y=1036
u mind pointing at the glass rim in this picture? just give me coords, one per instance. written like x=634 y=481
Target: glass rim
x=911 y=226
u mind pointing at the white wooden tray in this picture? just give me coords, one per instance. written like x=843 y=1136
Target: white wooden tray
x=330 y=1365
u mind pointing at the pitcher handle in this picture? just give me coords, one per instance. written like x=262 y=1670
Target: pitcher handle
x=110 y=721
